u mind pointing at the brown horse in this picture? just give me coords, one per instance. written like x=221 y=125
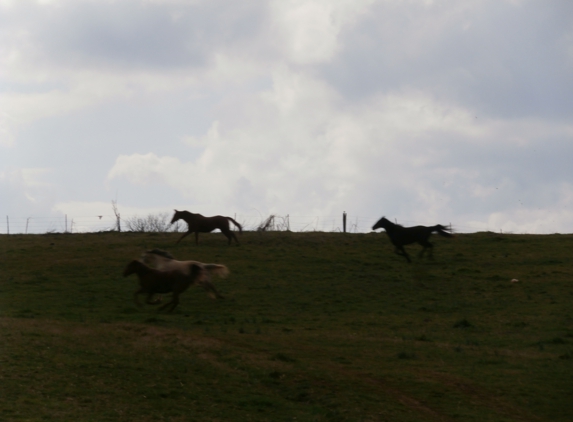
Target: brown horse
x=196 y=223
x=152 y=281
x=164 y=261
x=400 y=236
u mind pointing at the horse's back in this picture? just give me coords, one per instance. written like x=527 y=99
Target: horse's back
x=206 y=224
x=221 y=219
x=405 y=235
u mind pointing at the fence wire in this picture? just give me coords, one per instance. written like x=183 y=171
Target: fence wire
x=161 y=223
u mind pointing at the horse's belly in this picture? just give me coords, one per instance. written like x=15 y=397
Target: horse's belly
x=162 y=288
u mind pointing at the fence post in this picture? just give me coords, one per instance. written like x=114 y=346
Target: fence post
x=7 y=225
x=344 y=221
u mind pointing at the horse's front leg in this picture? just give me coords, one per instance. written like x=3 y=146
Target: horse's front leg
x=152 y=302
x=174 y=302
x=181 y=238
x=208 y=286
x=136 y=298
x=401 y=251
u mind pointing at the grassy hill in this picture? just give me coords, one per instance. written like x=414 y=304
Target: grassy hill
x=313 y=327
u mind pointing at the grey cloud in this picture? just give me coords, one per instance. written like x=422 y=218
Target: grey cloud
x=529 y=176
x=493 y=57
x=140 y=34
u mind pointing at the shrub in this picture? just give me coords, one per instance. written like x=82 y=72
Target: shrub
x=158 y=223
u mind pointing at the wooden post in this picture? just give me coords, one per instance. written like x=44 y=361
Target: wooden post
x=7 y=225
x=344 y=221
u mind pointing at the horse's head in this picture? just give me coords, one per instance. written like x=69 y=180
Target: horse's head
x=380 y=224
x=130 y=268
x=176 y=216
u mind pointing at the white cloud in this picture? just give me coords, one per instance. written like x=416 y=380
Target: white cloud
x=297 y=148
x=145 y=169
x=26 y=193
x=311 y=28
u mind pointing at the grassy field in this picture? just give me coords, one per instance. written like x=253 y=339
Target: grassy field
x=313 y=327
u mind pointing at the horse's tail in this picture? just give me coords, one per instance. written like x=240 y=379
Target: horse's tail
x=217 y=269
x=443 y=231
x=236 y=224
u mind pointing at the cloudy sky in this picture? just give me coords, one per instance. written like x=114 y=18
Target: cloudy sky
x=425 y=111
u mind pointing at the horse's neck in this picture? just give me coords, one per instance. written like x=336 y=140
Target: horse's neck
x=391 y=226
x=387 y=224
x=143 y=269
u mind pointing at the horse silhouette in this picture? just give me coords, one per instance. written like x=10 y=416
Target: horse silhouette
x=400 y=236
x=197 y=223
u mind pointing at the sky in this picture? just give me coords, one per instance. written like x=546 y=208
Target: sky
x=423 y=111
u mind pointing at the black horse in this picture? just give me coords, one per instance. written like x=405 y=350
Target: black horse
x=401 y=236
x=196 y=223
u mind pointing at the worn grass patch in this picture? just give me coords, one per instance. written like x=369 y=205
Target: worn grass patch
x=314 y=327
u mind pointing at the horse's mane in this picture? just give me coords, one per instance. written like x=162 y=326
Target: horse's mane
x=391 y=223
x=161 y=252
x=185 y=212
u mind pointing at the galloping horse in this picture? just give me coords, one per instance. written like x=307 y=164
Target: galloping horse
x=164 y=261
x=152 y=281
x=401 y=236
x=199 y=224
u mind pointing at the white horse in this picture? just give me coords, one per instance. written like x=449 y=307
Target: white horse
x=164 y=261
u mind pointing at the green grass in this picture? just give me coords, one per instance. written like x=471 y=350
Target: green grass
x=314 y=327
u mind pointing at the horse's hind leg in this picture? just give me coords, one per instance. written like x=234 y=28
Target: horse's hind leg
x=234 y=237
x=230 y=235
x=427 y=247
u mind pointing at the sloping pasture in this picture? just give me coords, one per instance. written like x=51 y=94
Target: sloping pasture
x=313 y=327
